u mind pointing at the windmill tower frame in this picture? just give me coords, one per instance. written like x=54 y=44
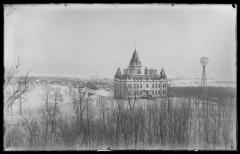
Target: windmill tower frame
x=204 y=61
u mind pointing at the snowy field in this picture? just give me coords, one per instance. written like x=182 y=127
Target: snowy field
x=220 y=81
x=34 y=100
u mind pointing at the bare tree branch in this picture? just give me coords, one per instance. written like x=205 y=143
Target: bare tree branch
x=22 y=87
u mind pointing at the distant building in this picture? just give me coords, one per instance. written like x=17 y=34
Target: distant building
x=131 y=82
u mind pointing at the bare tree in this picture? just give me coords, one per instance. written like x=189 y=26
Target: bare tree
x=132 y=103
x=226 y=125
x=20 y=105
x=149 y=111
x=118 y=120
x=46 y=112
x=102 y=119
x=13 y=137
x=58 y=98
x=66 y=131
x=14 y=87
x=21 y=82
x=89 y=114
x=32 y=129
x=51 y=113
x=84 y=113
x=137 y=119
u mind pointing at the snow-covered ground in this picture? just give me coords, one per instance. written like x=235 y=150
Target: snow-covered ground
x=34 y=100
x=219 y=81
x=175 y=80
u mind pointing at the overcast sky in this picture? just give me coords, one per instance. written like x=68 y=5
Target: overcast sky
x=96 y=39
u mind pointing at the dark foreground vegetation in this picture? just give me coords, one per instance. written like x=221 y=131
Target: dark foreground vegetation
x=207 y=92
x=175 y=122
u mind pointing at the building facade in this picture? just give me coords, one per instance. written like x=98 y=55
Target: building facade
x=133 y=83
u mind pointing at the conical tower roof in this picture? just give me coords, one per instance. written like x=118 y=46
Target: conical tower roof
x=163 y=74
x=118 y=71
x=135 y=60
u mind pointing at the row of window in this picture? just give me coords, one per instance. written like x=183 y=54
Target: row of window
x=135 y=71
x=140 y=92
x=153 y=85
x=147 y=78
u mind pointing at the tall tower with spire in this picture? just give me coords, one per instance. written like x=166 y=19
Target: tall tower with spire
x=131 y=83
x=135 y=64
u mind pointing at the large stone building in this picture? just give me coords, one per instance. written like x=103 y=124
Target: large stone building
x=133 y=83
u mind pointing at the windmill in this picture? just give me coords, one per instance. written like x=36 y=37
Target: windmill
x=204 y=61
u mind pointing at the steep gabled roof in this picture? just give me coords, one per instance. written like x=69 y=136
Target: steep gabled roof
x=135 y=60
x=163 y=74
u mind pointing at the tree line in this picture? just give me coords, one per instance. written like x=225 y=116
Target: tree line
x=166 y=123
